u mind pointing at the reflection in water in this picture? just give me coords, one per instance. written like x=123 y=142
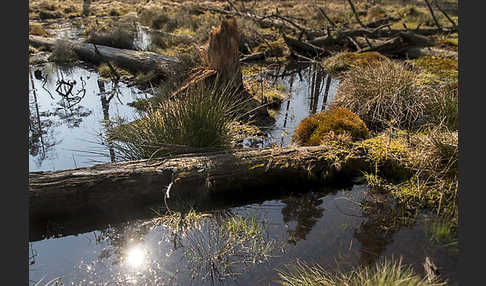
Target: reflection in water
x=383 y=219
x=305 y=211
x=142 y=252
x=135 y=256
x=41 y=138
x=65 y=105
x=310 y=91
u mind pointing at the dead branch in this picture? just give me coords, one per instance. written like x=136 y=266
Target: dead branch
x=303 y=48
x=433 y=15
x=454 y=25
x=356 y=14
x=325 y=16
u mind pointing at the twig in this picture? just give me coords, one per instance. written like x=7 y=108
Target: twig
x=356 y=45
x=325 y=16
x=356 y=14
x=232 y=5
x=368 y=41
x=433 y=15
x=454 y=25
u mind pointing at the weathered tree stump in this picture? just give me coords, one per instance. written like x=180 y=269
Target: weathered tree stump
x=224 y=55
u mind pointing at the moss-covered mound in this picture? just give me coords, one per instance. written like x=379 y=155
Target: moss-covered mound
x=440 y=68
x=311 y=130
x=343 y=61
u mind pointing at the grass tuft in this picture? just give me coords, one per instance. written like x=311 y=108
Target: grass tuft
x=200 y=118
x=382 y=274
x=382 y=95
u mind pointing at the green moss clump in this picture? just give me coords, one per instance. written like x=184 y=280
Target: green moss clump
x=438 y=66
x=252 y=70
x=343 y=61
x=275 y=48
x=105 y=72
x=32 y=50
x=36 y=29
x=339 y=120
x=376 y=12
x=264 y=93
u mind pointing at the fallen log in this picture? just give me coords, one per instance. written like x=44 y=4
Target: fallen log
x=303 y=48
x=134 y=61
x=189 y=178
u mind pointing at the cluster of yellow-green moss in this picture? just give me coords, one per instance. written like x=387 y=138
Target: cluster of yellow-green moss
x=275 y=48
x=343 y=61
x=105 y=72
x=263 y=92
x=438 y=66
x=338 y=120
x=36 y=29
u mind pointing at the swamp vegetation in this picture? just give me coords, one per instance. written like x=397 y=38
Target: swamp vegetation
x=324 y=94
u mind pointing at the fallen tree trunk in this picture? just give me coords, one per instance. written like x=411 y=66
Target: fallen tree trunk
x=193 y=178
x=135 y=61
x=303 y=48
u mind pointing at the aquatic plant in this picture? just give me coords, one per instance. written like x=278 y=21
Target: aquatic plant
x=264 y=93
x=381 y=274
x=220 y=251
x=338 y=120
x=200 y=118
x=443 y=232
x=382 y=95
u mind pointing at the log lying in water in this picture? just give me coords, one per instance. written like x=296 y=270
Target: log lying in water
x=194 y=177
x=132 y=60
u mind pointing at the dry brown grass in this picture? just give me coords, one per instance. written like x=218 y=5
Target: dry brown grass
x=382 y=95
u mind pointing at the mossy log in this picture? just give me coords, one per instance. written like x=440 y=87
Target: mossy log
x=134 y=61
x=195 y=178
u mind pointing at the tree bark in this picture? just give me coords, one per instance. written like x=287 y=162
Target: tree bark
x=224 y=55
x=135 y=61
x=195 y=179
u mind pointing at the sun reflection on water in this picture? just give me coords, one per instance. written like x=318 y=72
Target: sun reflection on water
x=135 y=257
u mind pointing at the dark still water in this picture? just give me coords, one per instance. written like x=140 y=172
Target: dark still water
x=67 y=108
x=332 y=227
x=309 y=90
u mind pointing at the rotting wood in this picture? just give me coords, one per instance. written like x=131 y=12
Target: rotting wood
x=195 y=177
x=134 y=61
x=303 y=48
